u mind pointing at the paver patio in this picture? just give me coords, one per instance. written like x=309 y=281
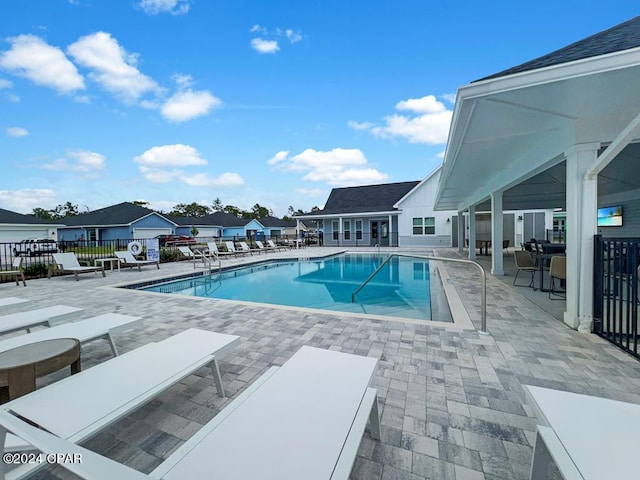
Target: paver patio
x=451 y=400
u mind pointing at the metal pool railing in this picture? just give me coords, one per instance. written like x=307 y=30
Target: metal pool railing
x=483 y=276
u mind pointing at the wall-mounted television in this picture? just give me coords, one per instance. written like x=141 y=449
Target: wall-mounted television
x=610 y=216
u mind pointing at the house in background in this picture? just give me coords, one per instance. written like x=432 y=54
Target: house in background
x=122 y=221
x=16 y=226
x=364 y=215
x=206 y=226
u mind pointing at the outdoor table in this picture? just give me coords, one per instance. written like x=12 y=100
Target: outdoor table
x=109 y=260
x=20 y=366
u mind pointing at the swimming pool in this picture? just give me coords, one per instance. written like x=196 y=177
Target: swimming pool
x=400 y=289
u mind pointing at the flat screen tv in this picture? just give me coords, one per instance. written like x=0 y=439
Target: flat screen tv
x=610 y=216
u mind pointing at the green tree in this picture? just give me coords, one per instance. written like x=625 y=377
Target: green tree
x=190 y=210
x=233 y=210
x=42 y=213
x=217 y=205
x=258 y=211
x=141 y=203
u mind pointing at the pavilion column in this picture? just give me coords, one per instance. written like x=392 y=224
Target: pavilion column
x=472 y=232
x=582 y=205
x=298 y=233
x=460 y=232
x=340 y=226
x=390 y=231
x=496 y=233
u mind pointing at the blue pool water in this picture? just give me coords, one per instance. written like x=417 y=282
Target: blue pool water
x=401 y=288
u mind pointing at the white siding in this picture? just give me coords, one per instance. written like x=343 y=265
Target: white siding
x=419 y=204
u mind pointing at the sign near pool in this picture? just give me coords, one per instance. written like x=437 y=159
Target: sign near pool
x=153 y=249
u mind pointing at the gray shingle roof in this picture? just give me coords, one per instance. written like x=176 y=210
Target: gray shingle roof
x=225 y=220
x=120 y=214
x=620 y=37
x=7 y=216
x=367 y=198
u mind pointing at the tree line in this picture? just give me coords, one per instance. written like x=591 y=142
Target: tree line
x=181 y=209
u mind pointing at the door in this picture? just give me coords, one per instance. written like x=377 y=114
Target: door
x=384 y=233
x=374 y=233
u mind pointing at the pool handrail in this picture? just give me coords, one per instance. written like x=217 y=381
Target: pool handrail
x=483 y=291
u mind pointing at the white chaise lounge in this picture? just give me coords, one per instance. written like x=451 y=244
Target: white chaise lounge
x=33 y=318
x=80 y=406
x=231 y=247
x=10 y=304
x=128 y=260
x=277 y=247
x=214 y=251
x=68 y=262
x=304 y=420
x=102 y=326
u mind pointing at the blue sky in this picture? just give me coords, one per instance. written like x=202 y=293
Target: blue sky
x=252 y=101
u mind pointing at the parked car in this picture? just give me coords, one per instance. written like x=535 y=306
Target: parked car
x=35 y=246
x=175 y=240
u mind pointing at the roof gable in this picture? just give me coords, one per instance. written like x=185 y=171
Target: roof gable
x=624 y=36
x=367 y=198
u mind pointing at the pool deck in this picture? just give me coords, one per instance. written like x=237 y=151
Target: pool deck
x=451 y=400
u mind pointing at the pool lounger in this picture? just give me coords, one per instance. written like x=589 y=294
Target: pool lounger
x=302 y=420
x=33 y=318
x=80 y=406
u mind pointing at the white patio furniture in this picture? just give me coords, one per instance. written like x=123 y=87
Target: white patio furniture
x=86 y=330
x=215 y=251
x=245 y=248
x=17 y=273
x=277 y=247
x=68 y=262
x=587 y=437
x=10 y=304
x=302 y=420
x=80 y=406
x=14 y=322
x=232 y=248
x=128 y=260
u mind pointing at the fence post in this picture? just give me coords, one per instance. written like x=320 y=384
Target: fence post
x=598 y=282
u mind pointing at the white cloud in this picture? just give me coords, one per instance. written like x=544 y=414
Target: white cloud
x=294 y=37
x=264 y=46
x=5 y=83
x=165 y=164
x=188 y=105
x=32 y=58
x=205 y=180
x=83 y=162
x=259 y=29
x=176 y=155
x=340 y=166
x=17 y=132
x=450 y=97
x=429 y=123
x=25 y=200
x=174 y=7
x=113 y=68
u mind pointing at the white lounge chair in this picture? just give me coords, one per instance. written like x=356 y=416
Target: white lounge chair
x=9 y=304
x=215 y=251
x=128 y=260
x=86 y=330
x=194 y=255
x=17 y=273
x=33 y=318
x=232 y=248
x=262 y=248
x=245 y=248
x=277 y=247
x=68 y=262
x=302 y=420
x=78 y=407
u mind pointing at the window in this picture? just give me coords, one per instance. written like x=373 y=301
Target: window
x=424 y=226
x=417 y=226
x=430 y=226
x=347 y=229
x=335 y=226
x=358 y=229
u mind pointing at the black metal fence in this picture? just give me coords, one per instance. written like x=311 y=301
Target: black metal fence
x=36 y=263
x=615 y=291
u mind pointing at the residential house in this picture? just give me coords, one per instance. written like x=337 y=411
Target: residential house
x=118 y=222
x=16 y=226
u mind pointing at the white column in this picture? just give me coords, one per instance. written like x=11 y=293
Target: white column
x=390 y=231
x=340 y=231
x=582 y=201
x=496 y=233
x=472 y=232
x=298 y=233
x=460 y=232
